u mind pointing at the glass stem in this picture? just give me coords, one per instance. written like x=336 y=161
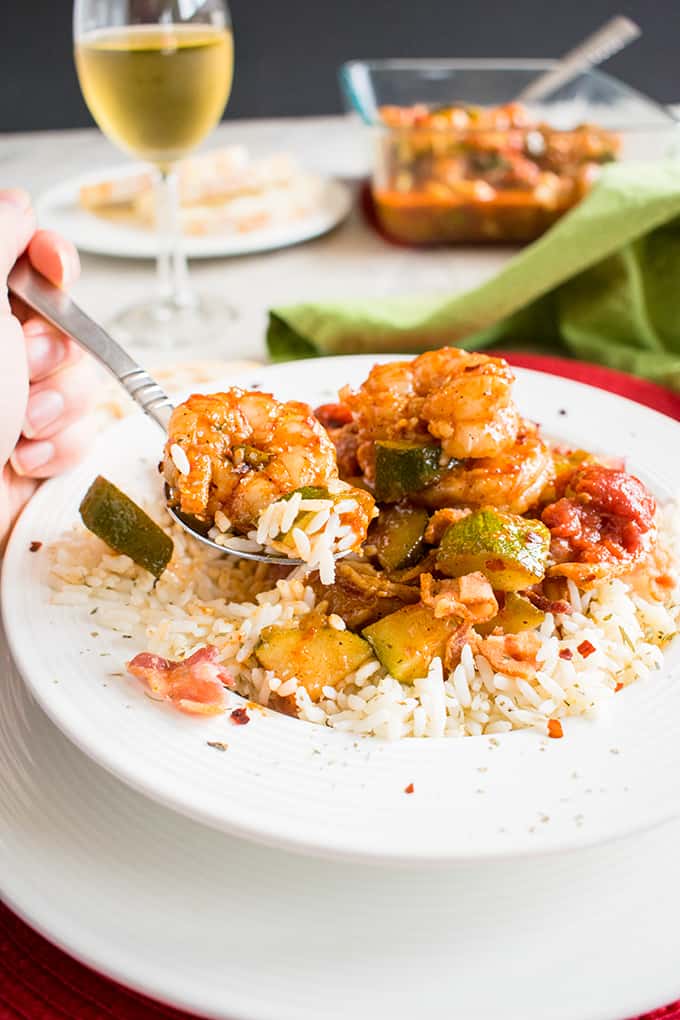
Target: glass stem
x=173 y=272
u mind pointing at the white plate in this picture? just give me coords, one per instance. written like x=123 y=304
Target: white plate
x=293 y=784
x=240 y=932
x=58 y=209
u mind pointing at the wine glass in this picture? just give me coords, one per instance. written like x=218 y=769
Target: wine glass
x=156 y=76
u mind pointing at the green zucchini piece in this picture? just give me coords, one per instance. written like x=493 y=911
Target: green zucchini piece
x=515 y=615
x=398 y=536
x=407 y=641
x=401 y=468
x=510 y=550
x=315 y=654
x=309 y=492
x=118 y=521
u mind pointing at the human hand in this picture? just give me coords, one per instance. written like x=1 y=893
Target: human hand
x=45 y=382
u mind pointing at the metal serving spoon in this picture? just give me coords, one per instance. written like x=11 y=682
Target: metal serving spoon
x=57 y=307
x=595 y=49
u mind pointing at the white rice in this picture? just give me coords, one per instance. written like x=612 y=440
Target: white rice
x=314 y=531
x=206 y=599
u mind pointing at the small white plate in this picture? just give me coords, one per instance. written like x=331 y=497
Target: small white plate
x=235 y=931
x=58 y=209
x=297 y=785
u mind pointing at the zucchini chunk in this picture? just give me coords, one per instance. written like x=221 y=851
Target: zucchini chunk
x=125 y=527
x=406 y=641
x=515 y=615
x=398 y=536
x=510 y=550
x=401 y=468
x=314 y=652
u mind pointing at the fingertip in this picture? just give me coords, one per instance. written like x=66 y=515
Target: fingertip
x=17 y=223
x=17 y=197
x=55 y=257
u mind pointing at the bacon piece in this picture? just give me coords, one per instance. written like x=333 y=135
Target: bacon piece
x=470 y=597
x=194 y=685
x=440 y=521
x=456 y=644
x=512 y=654
x=546 y=605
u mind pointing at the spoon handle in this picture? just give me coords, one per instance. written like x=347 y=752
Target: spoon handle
x=57 y=307
x=598 y=47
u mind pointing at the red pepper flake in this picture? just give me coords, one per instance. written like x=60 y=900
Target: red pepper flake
x=665 y=581
x=34 y=546
x=619 y=687
x=410 y=788
x=586 y=648
x=555 y=728
x=240 y=717
x=566 y=653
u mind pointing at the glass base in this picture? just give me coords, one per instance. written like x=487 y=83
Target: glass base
x=165 y=326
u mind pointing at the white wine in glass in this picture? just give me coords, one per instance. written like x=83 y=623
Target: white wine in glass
x=156 y=76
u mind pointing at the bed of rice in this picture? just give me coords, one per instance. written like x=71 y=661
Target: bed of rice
x=206 y=598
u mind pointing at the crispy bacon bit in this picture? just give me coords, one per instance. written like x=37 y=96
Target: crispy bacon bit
x=455 y=646
x=566 y=653
x=410 y=788
x=555 y=728
x=194 y=685
x=545 y=604
x=219 y=745
x=239 y=717
x=586 y=648
x=619 y=687
x=470 y=597
x=34 y=546
x=333 y=416
x=440 y=521
x=512 y=654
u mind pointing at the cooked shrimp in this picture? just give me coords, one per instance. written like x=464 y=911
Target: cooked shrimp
x=239 y=451
x=511 y=481
x=468 y=401
x=461 y=398
x=603 y=525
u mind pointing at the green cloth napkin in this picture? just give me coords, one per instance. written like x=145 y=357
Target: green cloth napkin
x=602 y=285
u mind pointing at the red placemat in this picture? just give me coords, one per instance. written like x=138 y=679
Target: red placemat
x=40 y=982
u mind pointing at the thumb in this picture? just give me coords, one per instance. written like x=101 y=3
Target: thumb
x=17 y=224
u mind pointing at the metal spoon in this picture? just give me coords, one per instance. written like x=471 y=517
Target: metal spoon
x=57 y=307
x=595 y=49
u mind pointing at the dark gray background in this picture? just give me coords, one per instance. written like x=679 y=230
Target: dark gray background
x=288 y=51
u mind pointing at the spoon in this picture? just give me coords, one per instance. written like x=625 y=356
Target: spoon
x=58 y=308
x=595 y=49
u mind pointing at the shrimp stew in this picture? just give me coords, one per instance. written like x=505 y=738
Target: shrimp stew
x=460 y=573
x=470 y=173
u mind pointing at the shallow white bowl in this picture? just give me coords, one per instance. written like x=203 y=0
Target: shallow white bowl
x=292 y=784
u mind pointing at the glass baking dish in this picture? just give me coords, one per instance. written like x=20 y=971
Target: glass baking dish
x=456 y=160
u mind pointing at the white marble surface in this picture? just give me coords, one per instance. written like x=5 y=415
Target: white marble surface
x=350 y=261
